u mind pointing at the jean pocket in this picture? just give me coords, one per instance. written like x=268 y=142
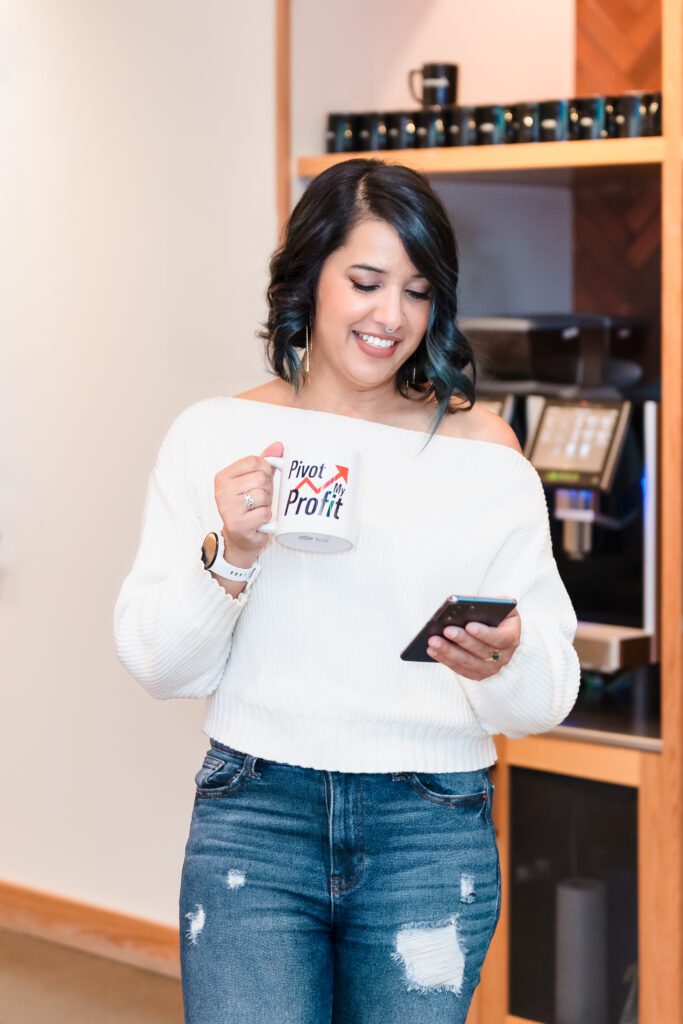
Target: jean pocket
x=451 y=789
x=222 y=772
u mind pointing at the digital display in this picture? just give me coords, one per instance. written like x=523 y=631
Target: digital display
x=574 y=439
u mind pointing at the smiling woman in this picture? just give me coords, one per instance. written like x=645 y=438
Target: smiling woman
x=346 y=789
x=366 y=280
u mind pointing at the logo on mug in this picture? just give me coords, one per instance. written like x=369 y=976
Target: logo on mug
x=325 y=500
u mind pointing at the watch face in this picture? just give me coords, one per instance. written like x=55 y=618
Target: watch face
x=209 y=550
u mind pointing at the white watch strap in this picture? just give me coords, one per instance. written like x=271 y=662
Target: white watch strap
x=228 y=571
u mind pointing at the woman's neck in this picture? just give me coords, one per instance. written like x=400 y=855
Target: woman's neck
x=384 y=405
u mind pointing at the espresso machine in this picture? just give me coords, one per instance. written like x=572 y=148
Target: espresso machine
x=575 y=390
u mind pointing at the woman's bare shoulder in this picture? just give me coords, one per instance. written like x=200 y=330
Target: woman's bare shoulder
x=273 y=392
x=479 y=424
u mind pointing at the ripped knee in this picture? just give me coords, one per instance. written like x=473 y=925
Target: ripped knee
x=432 y=956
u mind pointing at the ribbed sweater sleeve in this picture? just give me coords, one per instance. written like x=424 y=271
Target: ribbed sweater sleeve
x=537 y=689
x=173 y=622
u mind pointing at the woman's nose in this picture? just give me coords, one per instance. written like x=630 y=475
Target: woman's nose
x=389 y=312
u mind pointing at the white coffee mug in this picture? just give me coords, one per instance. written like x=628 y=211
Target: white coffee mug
x=317 y=497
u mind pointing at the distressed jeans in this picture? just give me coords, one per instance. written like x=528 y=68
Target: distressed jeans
x=317 y=897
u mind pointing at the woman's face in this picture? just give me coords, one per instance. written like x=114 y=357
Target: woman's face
x=366 y=286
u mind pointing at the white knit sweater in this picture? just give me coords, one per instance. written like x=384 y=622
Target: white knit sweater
x=303 y=666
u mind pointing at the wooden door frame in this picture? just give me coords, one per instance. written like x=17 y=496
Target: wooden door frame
x=283 y=111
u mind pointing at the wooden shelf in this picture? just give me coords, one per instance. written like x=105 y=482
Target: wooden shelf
x=600 y=763
x=552 y=163
x=607 y=738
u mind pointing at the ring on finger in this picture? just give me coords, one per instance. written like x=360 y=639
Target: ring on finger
x=249 y=500
x=495 y=655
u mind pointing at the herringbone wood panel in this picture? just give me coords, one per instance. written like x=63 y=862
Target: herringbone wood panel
x=617 y=231
x=617 y=254
x=618 y=45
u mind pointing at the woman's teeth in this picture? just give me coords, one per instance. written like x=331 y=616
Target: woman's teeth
x=370 y=339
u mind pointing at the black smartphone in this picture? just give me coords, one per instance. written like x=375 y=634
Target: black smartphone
x=458 y=611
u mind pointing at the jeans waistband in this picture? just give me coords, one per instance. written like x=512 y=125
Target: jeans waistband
x=232 y=750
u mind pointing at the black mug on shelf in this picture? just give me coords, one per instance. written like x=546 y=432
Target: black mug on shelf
x=491 y=124
x=587 y=118
x=429 y=129
x=627 y=115
x=342 y=133
x=401 y=129
x=624 y=115
x=439 y=84
x=460 y=126
x=654 y=113
x=553 y=118
x=372 y=131
x=523 y=122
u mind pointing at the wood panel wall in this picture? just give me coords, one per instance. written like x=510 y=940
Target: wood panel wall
x=618 y=45
x=617 y=219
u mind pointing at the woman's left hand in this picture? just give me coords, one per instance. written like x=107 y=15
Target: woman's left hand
x=467 y=651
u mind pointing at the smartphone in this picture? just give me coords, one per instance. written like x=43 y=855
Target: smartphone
x=458 y=611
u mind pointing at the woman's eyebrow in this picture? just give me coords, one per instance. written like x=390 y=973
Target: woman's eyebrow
x=377 y=270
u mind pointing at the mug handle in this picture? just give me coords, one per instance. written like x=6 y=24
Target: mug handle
x=411 y=75
x=271 y=526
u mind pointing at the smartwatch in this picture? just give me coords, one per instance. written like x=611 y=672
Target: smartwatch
x=213 y=549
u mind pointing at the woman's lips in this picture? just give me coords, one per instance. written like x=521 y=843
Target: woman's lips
x=378 y=353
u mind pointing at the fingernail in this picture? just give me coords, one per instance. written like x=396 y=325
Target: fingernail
x=453 y=632
x=473 y=629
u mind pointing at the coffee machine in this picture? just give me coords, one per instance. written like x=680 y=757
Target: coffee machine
x=573 y=388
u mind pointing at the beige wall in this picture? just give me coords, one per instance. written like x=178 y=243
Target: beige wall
x=138 y=214
x=137 y=201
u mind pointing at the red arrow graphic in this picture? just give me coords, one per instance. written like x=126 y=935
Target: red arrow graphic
x=343 y=472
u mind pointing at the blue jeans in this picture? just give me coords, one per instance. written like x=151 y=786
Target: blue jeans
x=316 y=897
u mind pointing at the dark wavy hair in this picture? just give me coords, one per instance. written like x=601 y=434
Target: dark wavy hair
x=333 y=204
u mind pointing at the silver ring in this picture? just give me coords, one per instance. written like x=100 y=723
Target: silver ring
x=389 y=330
x=495 y=656
x=248 y=501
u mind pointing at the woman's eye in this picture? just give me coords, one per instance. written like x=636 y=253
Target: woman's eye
x=371 y=287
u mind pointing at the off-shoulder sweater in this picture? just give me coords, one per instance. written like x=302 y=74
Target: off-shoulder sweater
x=303 y=666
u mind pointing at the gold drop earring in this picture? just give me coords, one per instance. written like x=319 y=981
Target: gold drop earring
x=308 y=353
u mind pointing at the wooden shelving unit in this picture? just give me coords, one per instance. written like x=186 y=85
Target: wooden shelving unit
x=553 y=163
x=653 y=767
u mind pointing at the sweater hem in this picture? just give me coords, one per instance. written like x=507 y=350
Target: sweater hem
x=358 y=745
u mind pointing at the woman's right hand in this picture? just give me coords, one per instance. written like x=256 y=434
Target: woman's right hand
x=243 y=541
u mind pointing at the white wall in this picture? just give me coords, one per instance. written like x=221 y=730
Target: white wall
x=515 y=242
x=137 y=203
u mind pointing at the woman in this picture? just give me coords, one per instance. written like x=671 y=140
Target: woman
x=342 y=862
